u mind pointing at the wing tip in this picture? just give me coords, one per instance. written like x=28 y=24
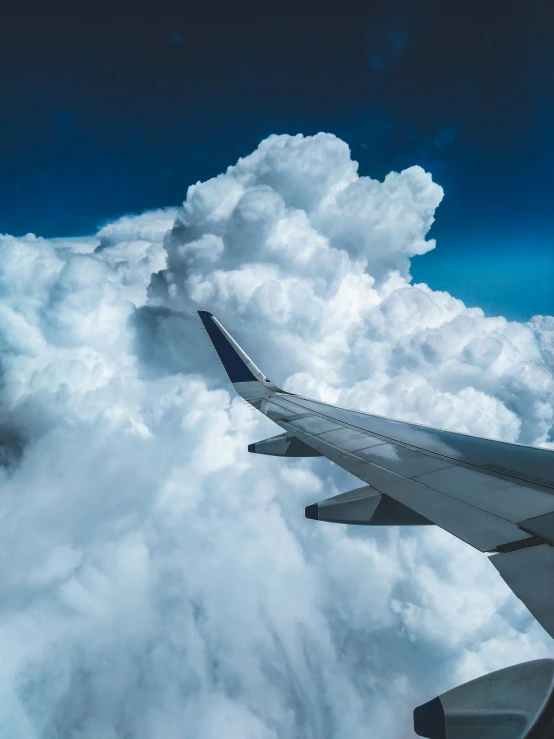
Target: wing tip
x=237 y=364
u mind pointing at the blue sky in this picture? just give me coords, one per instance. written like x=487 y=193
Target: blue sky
x=105 y=115
x=128 y=457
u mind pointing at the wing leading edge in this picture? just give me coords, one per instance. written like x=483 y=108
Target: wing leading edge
x=495 y=496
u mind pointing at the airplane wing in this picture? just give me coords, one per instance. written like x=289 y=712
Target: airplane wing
x=495 y=496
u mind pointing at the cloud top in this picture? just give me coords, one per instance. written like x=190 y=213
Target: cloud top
x=157 y=579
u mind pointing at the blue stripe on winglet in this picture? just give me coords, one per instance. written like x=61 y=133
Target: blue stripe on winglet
x=234 y=365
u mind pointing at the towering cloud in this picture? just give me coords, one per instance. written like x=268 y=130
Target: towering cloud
x=159 y=581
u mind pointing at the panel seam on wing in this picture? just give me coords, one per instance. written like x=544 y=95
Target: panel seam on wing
x=453 y=462
x=344 y=453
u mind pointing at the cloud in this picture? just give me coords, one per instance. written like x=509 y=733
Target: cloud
x=323 y=266
x=160 y=581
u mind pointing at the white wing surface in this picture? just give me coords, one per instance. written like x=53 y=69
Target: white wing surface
x=497 y=497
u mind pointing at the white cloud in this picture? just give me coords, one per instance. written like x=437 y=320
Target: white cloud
x=157 y=579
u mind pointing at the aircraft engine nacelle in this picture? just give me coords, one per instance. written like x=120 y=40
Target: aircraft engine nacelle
x=514 y=703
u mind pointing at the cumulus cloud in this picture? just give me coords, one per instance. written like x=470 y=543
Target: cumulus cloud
x=160 y=581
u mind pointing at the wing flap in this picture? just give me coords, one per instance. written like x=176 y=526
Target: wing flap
x=530 y=574
x=542 y=526
x=481 y=529
x=436 y=466
x=506 y=498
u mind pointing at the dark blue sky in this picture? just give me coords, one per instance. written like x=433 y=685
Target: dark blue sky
x=115 y=112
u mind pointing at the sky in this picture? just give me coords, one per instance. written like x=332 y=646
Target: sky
x=156 y=578
x=113 y=112
x=159 y=580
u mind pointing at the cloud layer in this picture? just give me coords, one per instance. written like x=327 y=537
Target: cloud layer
x=160 y=581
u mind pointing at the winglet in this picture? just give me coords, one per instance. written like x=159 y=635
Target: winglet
x=237 y=363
